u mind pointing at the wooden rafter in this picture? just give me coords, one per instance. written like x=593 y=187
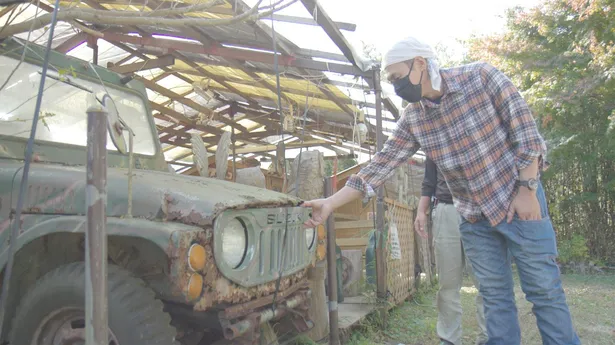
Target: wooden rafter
x=214 y=77
x=181 y=119
x=73 y=42
x=186 y=101
x=295 y=63
x=163 y=61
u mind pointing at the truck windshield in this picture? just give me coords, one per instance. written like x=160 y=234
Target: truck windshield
x=63 y=116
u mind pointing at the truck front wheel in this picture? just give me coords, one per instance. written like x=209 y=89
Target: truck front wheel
x=53 y=311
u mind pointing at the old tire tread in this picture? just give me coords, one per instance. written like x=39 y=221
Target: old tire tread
x=144 y=313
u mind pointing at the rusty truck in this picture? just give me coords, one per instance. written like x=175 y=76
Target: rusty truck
x=197 y=258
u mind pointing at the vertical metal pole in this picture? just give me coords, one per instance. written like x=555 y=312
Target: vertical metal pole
x=96 y=328
x=131 y=163
x=93 y=43
x=95 y=53
x=381 y=267
x=334 y=335
x=232 y=114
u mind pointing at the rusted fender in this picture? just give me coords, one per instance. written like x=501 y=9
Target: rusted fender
x=40 y=225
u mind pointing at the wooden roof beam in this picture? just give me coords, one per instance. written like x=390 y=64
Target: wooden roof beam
x=73 y=42
x=163 y=61
x=329 y=26
x=388 y=104
x=239 y=54
x=337 y=151
x=294 y=91
x=188 y=102
x=233 y=41
x=288 y=19
x=260 y=117
x=183 y=120
x=213 y=140
x=332 y=96
x=6 y=10
x=282 y=43
x=269 y=148
x=205 y=73
x=226 y=11
x=287 y=73
x=163 y=133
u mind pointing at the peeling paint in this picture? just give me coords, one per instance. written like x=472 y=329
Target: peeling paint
x=95 y=196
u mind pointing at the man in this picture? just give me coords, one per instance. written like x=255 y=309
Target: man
x=474 y=124
x=450 y=259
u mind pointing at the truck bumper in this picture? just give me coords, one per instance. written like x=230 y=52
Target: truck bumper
x=241 y=323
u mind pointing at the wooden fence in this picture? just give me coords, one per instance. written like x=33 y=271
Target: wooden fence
x=401 y=271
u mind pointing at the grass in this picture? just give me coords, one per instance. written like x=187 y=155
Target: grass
x=591 y=299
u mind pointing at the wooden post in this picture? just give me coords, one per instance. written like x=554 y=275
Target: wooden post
x=381 y=266
x=310 y=185
x=318 y=312
x=334 y=330
x=96 y=305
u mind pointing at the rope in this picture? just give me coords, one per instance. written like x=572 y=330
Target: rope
x=26 y=171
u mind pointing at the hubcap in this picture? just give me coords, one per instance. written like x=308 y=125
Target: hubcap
x=64 y=327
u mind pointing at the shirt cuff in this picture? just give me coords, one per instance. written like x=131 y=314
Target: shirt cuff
x=356 y=182
x=526 y=158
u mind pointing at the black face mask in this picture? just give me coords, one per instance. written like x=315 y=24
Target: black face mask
x=406 y=90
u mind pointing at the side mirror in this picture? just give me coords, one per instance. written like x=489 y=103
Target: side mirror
x=114 y=124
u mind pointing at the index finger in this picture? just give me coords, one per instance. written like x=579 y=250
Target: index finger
x=311 y=223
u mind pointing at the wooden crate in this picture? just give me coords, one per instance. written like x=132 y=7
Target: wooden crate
x=273 y=181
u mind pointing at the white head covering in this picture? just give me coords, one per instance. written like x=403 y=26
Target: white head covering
x=408 y=49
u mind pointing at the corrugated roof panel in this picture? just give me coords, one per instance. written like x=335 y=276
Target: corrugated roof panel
x=226 y=71
x=156 y=97
x=249 y=124
x=173 y=83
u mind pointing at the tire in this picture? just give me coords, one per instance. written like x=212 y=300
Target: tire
x=135 y=316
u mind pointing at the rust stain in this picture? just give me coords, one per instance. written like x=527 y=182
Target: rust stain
x=220 y=290
x=177 y=252
x=216 y=288
x=239 y=310
x=62 y=203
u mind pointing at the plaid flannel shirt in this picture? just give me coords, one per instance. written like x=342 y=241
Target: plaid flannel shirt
x=480 y=134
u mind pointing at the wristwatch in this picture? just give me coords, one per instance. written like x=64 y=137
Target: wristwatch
x=531 y=184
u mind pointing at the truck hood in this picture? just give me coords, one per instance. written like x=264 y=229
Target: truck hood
x=157 y=195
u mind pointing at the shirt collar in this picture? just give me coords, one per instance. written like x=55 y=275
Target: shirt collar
x=450 y=85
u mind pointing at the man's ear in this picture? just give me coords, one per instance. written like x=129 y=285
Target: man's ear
x=420 y=64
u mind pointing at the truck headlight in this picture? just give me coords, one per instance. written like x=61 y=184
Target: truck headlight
x=310 y=234
x=234 y=243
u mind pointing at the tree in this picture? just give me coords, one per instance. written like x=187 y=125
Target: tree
x=561 y=56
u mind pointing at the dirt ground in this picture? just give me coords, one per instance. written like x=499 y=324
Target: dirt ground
x=591 y=299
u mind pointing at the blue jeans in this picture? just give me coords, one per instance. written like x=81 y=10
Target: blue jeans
x=532 y=244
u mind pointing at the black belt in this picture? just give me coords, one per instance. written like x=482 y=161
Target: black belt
x=448 y=202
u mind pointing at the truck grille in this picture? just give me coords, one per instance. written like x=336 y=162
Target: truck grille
x=292 y=255
x=267 y=255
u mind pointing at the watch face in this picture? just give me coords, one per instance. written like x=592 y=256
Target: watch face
x=533 y=184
